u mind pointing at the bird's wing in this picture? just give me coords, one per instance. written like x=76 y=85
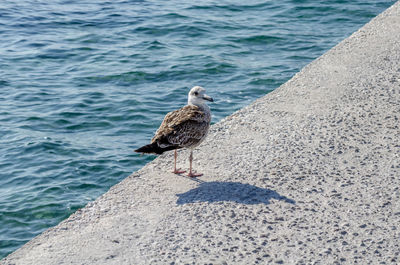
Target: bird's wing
x=183 y=127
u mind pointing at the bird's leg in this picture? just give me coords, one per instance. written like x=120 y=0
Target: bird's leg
x=177 y=171
x=191 y=174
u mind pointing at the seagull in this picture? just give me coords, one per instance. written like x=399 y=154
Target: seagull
x=186 y=127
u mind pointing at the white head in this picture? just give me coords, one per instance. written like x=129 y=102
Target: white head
x=197 y=96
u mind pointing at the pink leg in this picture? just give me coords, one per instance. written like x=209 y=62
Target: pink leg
x=177 y=171
x=191 y=174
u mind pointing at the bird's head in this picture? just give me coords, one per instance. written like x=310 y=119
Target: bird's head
x=198 y=97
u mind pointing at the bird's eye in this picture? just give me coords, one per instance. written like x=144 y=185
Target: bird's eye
x=196 y=93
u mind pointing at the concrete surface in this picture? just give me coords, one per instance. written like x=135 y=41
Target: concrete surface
x=309 y=174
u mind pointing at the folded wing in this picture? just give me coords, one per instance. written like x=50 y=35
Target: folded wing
x=185 y=127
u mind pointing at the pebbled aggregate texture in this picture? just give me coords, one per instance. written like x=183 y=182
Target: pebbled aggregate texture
x=309 y=174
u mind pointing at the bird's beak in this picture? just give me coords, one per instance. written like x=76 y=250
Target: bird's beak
x=208 y=98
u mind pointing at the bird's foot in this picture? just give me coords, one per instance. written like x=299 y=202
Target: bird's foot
x=178 y=171
x=193 y=175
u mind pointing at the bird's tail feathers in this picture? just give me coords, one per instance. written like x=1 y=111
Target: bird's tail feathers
x=154 y=148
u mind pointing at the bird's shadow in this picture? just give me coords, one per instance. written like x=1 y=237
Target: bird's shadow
x=230 y=191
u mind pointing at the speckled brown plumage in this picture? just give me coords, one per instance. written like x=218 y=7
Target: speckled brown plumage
x=185 y=127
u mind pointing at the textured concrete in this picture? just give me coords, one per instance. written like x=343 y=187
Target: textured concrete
x=309 y=174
